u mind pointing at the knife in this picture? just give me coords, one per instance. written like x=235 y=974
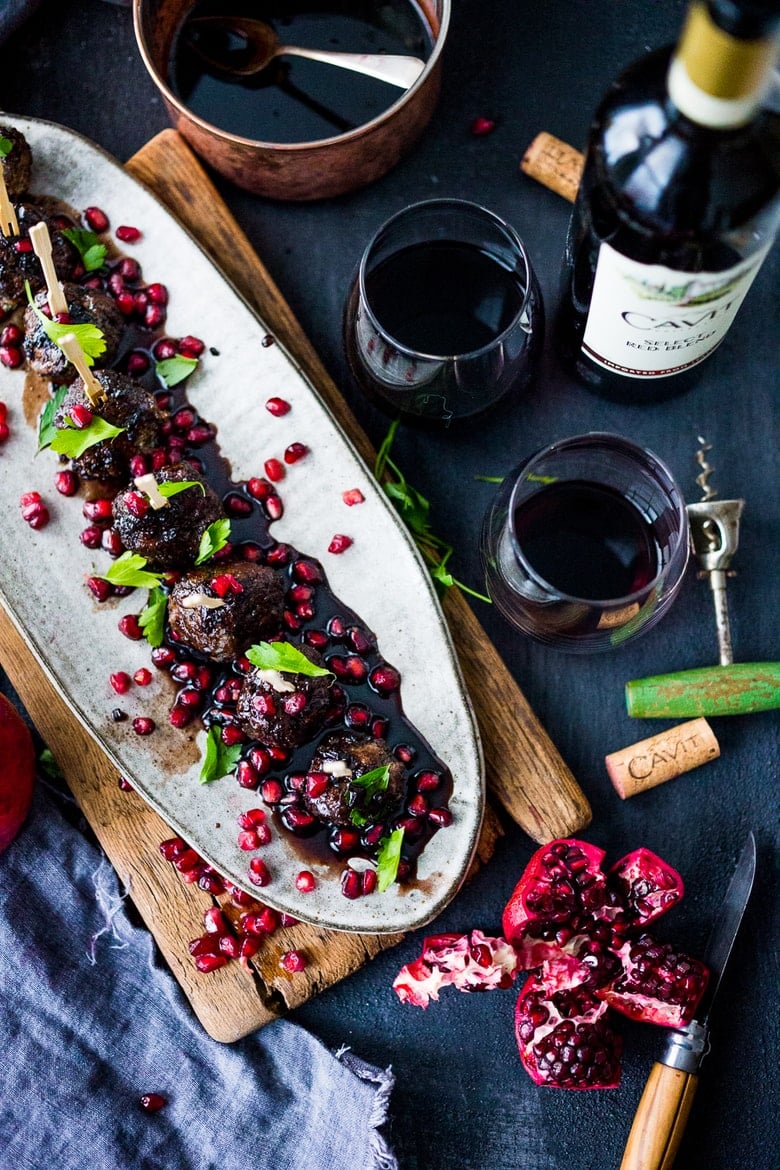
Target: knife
x=663 y=1110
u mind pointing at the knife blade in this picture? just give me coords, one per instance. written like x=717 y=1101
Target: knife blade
x=663 y=1110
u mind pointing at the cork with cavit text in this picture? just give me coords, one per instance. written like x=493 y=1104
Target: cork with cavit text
x=660 y=758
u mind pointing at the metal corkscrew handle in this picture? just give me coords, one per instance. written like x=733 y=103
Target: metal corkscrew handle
x=715 y=534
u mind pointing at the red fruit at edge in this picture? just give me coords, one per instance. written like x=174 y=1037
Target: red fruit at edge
x=128 y=235
x=17 y=774
x=96 y=219
x=153 y=1102
x=646 y=884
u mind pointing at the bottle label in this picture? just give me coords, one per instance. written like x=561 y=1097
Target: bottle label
x=648 y=321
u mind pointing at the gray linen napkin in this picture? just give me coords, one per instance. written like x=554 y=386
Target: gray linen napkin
x=90 y=1021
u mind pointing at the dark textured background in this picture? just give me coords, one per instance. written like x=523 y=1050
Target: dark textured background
x=462 y=1098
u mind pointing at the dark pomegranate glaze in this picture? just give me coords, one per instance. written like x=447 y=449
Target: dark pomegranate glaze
x=366 y=692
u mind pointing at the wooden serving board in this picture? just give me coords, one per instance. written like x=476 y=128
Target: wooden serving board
x=525 y=772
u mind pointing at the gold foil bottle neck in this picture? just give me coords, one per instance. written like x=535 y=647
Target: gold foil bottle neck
x=719 y=64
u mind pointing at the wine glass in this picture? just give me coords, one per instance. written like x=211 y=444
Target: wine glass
x=586 y=543
x=444 y=317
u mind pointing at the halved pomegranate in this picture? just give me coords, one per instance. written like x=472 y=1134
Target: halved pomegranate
x=565 y=1038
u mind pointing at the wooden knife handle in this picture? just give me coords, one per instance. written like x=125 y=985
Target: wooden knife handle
x=660 y=1119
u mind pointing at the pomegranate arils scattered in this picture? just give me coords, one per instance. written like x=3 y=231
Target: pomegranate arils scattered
x=127 y=234
x=385 y=679
x=96 y=219
x=295 y=452
x=277 y=406
x=274 y=469
x=259 y=873
x=340 y=543
x=209 y=963
x=157 y=293
x=189 y=346
x=34 y=511
x=121 y=682
x=480 y=127
x=353 y=496
x=305 y=881
x=293 y=961
x=11 y=356
x=142 y=677
x=143 y=725
x=66 y=483
x=153 y=1102
x=11 y=335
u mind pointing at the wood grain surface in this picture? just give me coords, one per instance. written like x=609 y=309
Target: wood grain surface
x=524 y=769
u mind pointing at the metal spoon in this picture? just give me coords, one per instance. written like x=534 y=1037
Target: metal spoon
x=262 y=46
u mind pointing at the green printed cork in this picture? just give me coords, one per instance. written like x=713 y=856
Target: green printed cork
x=738 y=689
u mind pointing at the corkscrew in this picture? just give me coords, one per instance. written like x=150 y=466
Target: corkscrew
x=715 y=535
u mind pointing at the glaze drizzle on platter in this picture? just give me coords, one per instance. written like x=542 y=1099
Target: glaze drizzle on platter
x=380 y=576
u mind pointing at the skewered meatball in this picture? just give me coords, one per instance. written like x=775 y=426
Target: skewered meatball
x=168 y=537
x=284 y=710
x=16 y=163
x=18 y=262
x=343 y=758
x=127 y=405
x=86 y=306
x=250 y=601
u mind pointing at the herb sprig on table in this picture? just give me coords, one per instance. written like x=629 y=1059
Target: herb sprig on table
x=414 y=510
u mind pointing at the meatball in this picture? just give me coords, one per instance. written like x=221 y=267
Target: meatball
x=86 y=306
x=284 y=710
x=343 y=758
x=168 y=537
x=19 y=263
x=16 y=162
x=127 y=405
x=250 y=596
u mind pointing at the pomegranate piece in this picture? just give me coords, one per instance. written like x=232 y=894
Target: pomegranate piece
x=274 y=469
x=481 y=127
x=293 y=961
x=127 y=234
x=96 y=219
x=469 y=962
x=278 y=407
x=340 y=543
x=565 y=1038
x=17 y=774
x=658 y=984
x=353 y=496
x=295 y=452
x=153 y=1102
x=646 y=885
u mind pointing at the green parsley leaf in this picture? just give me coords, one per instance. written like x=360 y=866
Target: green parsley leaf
x=129 y=569
x=89 y=247
x=89 y=337
x=152 y=616
x=173 y=487
x=49 y=765
x=219 y=760
x=442 y=575
x=387 y=860
x=6 y=146
x=371 y=782
x=73 y=442
x=282 y=656
x=213 y=539
x=46 y=427
x=176 y=369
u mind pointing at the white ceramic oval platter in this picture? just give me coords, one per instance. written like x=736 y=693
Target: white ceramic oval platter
x=381 y=576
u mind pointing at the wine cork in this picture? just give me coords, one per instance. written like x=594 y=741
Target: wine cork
x=660 y=758
x=555 y=164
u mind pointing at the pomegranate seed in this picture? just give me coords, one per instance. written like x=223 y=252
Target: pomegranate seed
x=99 y=587
x=116 y=284
x=34 y=511
x=142 y=677
x=238 y=505
x=295 y=452
x=22 y=246
x=180 y=716
x=379 y=727
x=140 y=301
x=128 y=235
x=271 y=791
x=136 y=503
x=124 y=784
x=404 y=753
x=163 y=657
x=351 y=669
x=158 y=293
x=277 y=407
x=129 y=626
x=229 y=946
x=267 y=341
x=231 y=735
x=305 y=881
x=143 y=725
x=90 y=537
x=5 y=432
x=193 y=344
x=351 y=884
x=418 y=805
x=293 y=961
x=11 y=335
x=288 y=920
x=226 y=583
x=202 y=433
x=259 y=873
x=259 y=489
x=295 y=703
x=298 y=821
x=440 y=816
x=249 y=948
x=11 y=356
x=274 y=469
x=121 y=682
x=96 y=219
x=66 y=483
x=190 y=698
x=316 y=783
x=246 y=774
x=352 y=497
x=340 y=544
x=153 y=1102
x=206 y=944
x=98 y=511
x=248 y=840
x=111 y=541
x=482 y=126
x=163 y=349
x=261 y=922
x=273 y=508
x=80 y=416
x=187 y=860
x=154 y=316
x=125 y=302
x=385 y=679
x=368 y=881
x=209 y=963
x=344 y=840
x=251 y=818
x=173 y=847
x=357 y=716
x=214 y=921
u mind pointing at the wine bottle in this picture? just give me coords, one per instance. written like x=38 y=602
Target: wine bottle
x=677 y=208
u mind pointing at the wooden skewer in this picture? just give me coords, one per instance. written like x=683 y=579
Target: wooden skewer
x=555 y=164
x=41 y=242
x=75 y=355
x=9 y=224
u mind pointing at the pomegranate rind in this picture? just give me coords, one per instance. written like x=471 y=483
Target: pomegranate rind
x=647 y=885
x=565 y=1038
x=658 y=984
x=17 y=776
x=468 y=962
